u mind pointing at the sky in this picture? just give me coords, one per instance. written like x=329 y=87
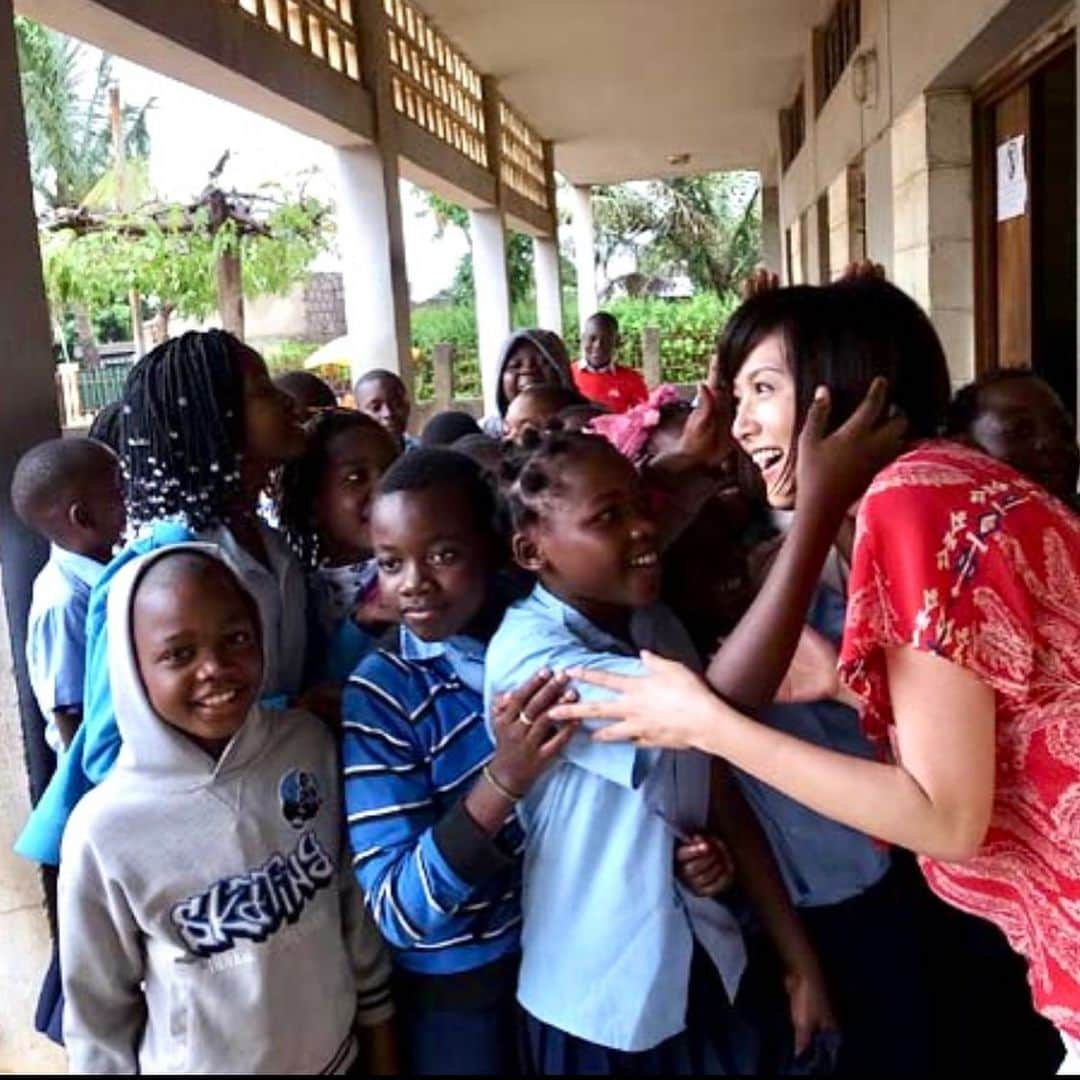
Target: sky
x=190 y=130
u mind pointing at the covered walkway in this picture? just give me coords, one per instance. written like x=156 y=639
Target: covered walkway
x=873 y=123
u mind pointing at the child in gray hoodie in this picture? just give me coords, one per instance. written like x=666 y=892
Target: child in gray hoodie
x=210 y=923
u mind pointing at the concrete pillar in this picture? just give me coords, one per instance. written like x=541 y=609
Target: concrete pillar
x=369 y=219
x=772 y=249
x=934 y=257
x=442 y=362
x=798 y=238
x=28 y=414
x=879 y=204
x=837 y=226
x=376 y=295
x=548 y=285
x=584 y=253
x=492 y=284
x=815 y=236
x=650 y=355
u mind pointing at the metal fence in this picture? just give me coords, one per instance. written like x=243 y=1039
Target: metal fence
x=82 y=392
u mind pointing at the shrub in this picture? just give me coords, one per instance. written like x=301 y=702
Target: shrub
x=688 y=332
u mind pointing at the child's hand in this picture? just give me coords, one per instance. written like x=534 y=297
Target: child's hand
x=761 y=280
x=808 y=1001
x=863 y=269
x=527 y=740
x=703 y=864
x=706 y=437
x=812 y=674
x=832 y=471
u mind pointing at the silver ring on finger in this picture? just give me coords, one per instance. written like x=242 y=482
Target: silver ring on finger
x=525 y=719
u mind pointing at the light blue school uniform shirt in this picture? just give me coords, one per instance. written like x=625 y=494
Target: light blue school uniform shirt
x=821 y=861
x=608 y=932
x=56 y=634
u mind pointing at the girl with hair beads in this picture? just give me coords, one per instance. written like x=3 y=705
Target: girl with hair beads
x=963 y=584
x=324 y=499
x=202 y=428
x=601 y=906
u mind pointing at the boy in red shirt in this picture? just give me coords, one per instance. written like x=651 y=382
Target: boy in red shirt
x=597 y=376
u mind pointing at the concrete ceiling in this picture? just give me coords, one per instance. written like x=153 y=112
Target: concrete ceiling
x=620 y=85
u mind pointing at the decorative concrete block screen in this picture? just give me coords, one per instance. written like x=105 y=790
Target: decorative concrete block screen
x=325 y=29
x=522 y=158
x=433 y=84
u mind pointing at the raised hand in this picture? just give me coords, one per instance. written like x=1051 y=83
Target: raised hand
x=832 y=471
x=760 y=280
x=862 y=269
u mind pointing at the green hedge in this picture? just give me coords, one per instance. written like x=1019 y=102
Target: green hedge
x=688 y=331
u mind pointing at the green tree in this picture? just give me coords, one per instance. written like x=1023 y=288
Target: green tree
x=170 y=253
x=70 y=138
x=519 y=257
x=707 y=227
x=67 y=129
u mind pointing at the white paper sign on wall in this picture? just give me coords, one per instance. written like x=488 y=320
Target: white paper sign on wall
x=1012 y=185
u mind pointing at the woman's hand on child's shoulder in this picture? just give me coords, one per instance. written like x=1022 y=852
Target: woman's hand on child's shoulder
x=704 y=865
x=527 y=739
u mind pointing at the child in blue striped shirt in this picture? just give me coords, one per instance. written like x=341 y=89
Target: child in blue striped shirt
x=430 y=800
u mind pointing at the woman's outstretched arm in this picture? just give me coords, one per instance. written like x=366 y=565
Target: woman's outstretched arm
x=935 y=801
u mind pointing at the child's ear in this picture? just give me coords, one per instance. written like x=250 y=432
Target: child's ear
x=79 y=515
x=527 y=553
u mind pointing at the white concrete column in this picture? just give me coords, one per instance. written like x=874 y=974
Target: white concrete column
x=879 y=204
x=28 y=414
x=373 y=261
x=813 y=234
x=548 y=285
x=934 y=258
x=492 y=284
x=772 y=248
x=584 y=253
x=369 y=218
x=838 y=226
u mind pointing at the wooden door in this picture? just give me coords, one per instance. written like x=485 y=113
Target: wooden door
x=1025 y=215
x=1012 y=172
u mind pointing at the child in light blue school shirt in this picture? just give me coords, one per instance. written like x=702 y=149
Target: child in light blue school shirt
x=69 y=490
x=610 y=934
x=56 y=638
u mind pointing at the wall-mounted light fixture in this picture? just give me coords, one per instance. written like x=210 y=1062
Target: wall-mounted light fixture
x=864 y=78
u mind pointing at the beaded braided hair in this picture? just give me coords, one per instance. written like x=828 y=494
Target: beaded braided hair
x=299 y=482
x=183 y=430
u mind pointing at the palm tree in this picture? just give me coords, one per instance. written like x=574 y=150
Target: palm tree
x=68 y=129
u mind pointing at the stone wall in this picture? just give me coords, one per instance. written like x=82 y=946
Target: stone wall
x=324 y=307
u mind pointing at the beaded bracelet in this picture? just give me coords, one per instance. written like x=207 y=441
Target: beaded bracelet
x=501 y=788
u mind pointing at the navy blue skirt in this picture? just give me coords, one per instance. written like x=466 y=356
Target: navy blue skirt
x=717 y=1041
